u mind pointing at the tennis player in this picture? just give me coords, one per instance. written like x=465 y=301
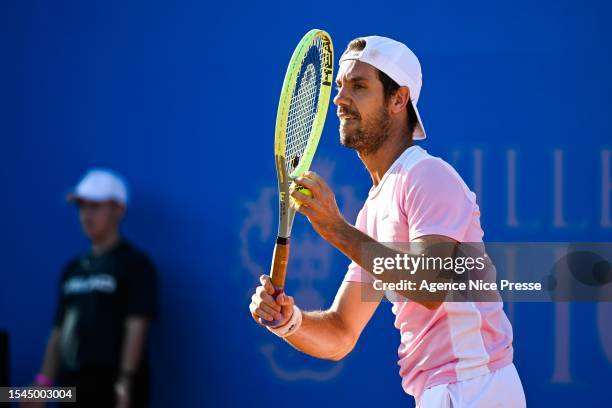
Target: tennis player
x=452 y=354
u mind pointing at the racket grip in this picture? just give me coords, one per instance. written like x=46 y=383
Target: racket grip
x=280 y=258
x=278 y=272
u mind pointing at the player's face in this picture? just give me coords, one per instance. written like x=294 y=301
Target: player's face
x=364 y=118
x=99 y=219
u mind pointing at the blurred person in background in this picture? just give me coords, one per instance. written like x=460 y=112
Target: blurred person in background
x=107 y=299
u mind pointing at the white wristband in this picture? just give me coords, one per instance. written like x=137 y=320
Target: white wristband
x=291 y=326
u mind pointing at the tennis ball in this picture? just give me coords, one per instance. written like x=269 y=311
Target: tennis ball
x=302 y=190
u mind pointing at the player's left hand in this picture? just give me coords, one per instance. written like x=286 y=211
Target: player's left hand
x=320 y=209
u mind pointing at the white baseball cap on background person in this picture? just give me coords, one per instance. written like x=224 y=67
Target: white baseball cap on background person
x=100 y=185
x=399 y=63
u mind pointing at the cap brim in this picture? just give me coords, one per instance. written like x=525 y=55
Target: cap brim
x=73 y=198
x=419 y=130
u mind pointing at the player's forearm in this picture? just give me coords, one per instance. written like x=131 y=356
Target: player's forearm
x=51 y=361
x=322 y=335
x=353 y=243
x=133 y=343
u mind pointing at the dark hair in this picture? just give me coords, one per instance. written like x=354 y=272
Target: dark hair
x=389 y=85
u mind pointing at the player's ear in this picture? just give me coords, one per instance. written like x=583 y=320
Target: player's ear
x=399 y=100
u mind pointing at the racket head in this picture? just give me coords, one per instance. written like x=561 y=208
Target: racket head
x=301 y=114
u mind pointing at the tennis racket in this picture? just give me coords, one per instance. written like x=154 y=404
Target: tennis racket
x=299 y=121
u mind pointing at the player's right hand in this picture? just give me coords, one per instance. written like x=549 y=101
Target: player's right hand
x=264 y=306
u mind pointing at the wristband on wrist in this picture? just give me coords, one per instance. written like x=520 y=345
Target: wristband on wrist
x=291 y=326
x=43 y=380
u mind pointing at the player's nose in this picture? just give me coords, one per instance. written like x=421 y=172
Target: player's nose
x=341 y=99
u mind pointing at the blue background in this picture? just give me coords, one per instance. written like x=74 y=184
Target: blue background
x=181 y=99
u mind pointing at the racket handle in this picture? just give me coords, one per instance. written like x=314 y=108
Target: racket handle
x=280 y=257
x=278 y=272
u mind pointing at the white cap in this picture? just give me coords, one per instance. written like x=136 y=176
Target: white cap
x=399 y=63
x=100 y=185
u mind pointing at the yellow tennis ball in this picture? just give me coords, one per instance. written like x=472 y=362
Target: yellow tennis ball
x=302 y=190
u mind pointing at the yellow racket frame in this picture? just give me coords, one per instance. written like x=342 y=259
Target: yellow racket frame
x=280 y=256
x=289 y=85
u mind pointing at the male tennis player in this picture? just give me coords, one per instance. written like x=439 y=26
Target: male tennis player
x=452 y=354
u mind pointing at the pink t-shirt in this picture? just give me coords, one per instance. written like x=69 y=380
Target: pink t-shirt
x=423 y=195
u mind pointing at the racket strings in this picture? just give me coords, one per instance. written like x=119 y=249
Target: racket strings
x=303 y=106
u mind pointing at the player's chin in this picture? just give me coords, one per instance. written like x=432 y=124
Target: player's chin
x=347 y=139
x=349 y=125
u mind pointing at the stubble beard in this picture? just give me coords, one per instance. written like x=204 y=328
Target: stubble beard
x=369 y=135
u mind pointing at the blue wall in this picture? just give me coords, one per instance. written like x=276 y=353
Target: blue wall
x=181 y=99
